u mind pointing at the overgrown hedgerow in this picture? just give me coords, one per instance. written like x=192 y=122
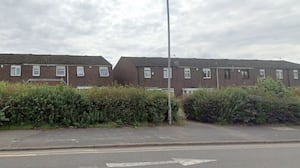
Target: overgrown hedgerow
x=128 y=105
x=64 y=106
x=267 y=102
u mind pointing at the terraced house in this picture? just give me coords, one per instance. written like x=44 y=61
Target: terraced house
x=75 y=71
x=189 y=74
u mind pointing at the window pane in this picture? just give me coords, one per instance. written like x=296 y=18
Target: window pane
x=262 y=73
x=296 y=75
x=80 y=71
x=15 y=70
x=227 y=73
x=36 y=70
x=104 y=71
x=245 y=73
x=206 y=73
x=166 y=73
x=60 y=71
x=187 y=73
x=147 y=72
x=279 y=74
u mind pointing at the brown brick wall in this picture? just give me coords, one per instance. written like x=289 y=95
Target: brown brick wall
x=126 y=73
x=178 y=81
x=91 y=78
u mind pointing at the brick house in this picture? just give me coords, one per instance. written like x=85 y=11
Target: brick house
x=75 y=71
x=189 y=74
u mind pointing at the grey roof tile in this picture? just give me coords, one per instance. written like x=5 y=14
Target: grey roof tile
x=195 y=62
x=52 y=59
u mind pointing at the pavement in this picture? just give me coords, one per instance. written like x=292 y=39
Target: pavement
x=192 y=133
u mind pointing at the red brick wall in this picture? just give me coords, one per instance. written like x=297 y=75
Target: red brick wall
x=91 y=78
x=126 y=73
x=178 y=81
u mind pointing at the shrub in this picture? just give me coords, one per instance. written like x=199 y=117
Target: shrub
x=127 y=105
x=267 y=102
x=64 y=106
x=238 y=106
x=205 y=106
x=270 y=88
x=45 y=104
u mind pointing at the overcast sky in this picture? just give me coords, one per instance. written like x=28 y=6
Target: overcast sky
x=233 y=29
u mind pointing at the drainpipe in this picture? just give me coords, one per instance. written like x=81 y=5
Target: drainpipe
x=217 y=74
x=68 y=80
x=288 y=77
x=138 y=76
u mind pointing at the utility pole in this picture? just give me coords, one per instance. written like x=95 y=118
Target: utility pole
x=169 y=69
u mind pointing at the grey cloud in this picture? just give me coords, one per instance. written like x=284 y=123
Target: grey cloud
x=199 y=28
x=220 y=26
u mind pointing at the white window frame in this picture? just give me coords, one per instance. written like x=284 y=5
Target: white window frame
x=188 y=91
x=227 y=75
x=60 y=68
x=206 y=73
x=147 y=72
x=187 y=73
x=262 y=73
x=15 y=70
x=166 y=73
x=36 y=70
x=80 y=71
x=279 y=74
x=295 y=74
x=244 y=72
x=103 y=68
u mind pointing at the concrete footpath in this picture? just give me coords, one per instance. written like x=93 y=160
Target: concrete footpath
x=191 y=134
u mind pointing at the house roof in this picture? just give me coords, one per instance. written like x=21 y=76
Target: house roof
x=52 y=59
x=195 y=62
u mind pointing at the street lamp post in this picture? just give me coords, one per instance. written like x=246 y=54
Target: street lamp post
x=169 y=69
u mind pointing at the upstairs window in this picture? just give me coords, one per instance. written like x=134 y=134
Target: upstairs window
x=147 y=72
x=80 y=71
x=36 y=70
x=60 y=71
x=187 y=73
x=15 y=70
x=262 y=73
x=279 y=74
x=206 y=73
x=166 y=74
x=104 y=71
x=245 y=73
x=227 y=74
x=295 y=74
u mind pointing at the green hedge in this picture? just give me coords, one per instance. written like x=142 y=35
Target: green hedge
x=128 y=105
x=267 y=102
x=64 y=106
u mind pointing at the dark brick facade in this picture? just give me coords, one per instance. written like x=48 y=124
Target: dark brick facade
x=48 y=71
x=130 y=70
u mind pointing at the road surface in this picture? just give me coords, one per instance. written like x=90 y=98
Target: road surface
x=226 y=156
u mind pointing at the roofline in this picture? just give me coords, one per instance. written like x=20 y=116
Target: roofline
x=57 y=55
x=51 y=55
x=208 y=59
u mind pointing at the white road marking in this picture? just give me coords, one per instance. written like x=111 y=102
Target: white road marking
x=19 y=155
x=183 y=162
x=283 y=128
x=88 y=167
x=167 y=137
x=63 y=140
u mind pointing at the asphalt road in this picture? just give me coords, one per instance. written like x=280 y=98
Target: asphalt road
x=226 y=156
